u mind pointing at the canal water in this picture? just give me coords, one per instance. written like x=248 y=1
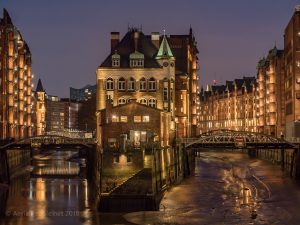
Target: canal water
x=226 y=188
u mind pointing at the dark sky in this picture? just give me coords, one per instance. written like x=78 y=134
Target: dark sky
x=70 y=38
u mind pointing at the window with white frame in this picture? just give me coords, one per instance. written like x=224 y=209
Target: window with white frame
x=122 y=101
x=146 y=119
x=109 y=84
x=121 y=84
x=152 y=102
x=165 y=94
x=143 y=101
x=115 y=60
x=143 y=84
x=152 y=84
x=131 y=84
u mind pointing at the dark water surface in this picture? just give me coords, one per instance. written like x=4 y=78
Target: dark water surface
x=226 y=188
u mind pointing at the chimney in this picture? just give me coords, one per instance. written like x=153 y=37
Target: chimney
x=155 y=39
x=114 y=40
x=136 y=36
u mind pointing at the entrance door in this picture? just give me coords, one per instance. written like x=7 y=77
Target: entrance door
x=137 y=138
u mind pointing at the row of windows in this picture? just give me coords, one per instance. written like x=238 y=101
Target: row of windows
x=150 y=102
x=133 y=63
x=131 y=84
x=136 y=119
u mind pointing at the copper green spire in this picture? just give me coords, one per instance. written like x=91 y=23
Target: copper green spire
x=164 y=50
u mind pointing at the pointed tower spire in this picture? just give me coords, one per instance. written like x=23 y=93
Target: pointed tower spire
x=164 y=49
x=39 y=87
x=6 y=17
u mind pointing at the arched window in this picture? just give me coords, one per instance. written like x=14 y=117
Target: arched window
x=143 y=84
x=130 y=100
x=131 y=84
x=143 y=101
x=152 y=84
x=152 y=102
x=122 y=101
x=121 y=84
x=109 y=84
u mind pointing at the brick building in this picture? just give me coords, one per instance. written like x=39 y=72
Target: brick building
x=134 y=125
x=147 y=69
x=15 y=82
x=230 y=106
x=61 y=115
x=40 y=109
x=292 y=75
x=270 y=94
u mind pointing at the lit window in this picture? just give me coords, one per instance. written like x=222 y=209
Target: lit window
x=123 y=119
x=152 y=102
x=109 y=84
x=146 y=119
x=114 y=118
x=137 y=119
x=143 y=84
x=131 y=84
x=152 y=84
x=165 y=94
x=121 y=84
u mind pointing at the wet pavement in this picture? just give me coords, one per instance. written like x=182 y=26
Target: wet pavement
x=229 y=188
x=226 y=188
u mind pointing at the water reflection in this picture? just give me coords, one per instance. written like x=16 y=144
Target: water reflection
x=49 y=200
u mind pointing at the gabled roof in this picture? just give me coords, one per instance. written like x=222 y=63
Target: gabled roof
x=164 y=50
x=127 y=46
x=39 y=87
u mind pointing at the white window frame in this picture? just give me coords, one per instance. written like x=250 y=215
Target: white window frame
x=143 y=84
x=109 y=84
x=131 y=84
x=152 y=102
x=122 y=84
x=152 y=84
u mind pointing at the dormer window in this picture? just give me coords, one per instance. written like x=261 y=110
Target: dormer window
x=136 y=59
x=115 y=60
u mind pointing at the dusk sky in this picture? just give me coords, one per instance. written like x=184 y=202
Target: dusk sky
x=70 y=38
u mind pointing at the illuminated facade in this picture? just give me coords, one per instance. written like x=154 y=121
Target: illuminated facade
x=270 y=94
x=231 y=106
x=145 y=69
x=292 y=76
x=40 y=109
x=15 y=82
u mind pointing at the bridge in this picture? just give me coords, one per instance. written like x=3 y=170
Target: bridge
x=48 y=141
x=231 y=139
x=87 y=148
x=258 y=145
